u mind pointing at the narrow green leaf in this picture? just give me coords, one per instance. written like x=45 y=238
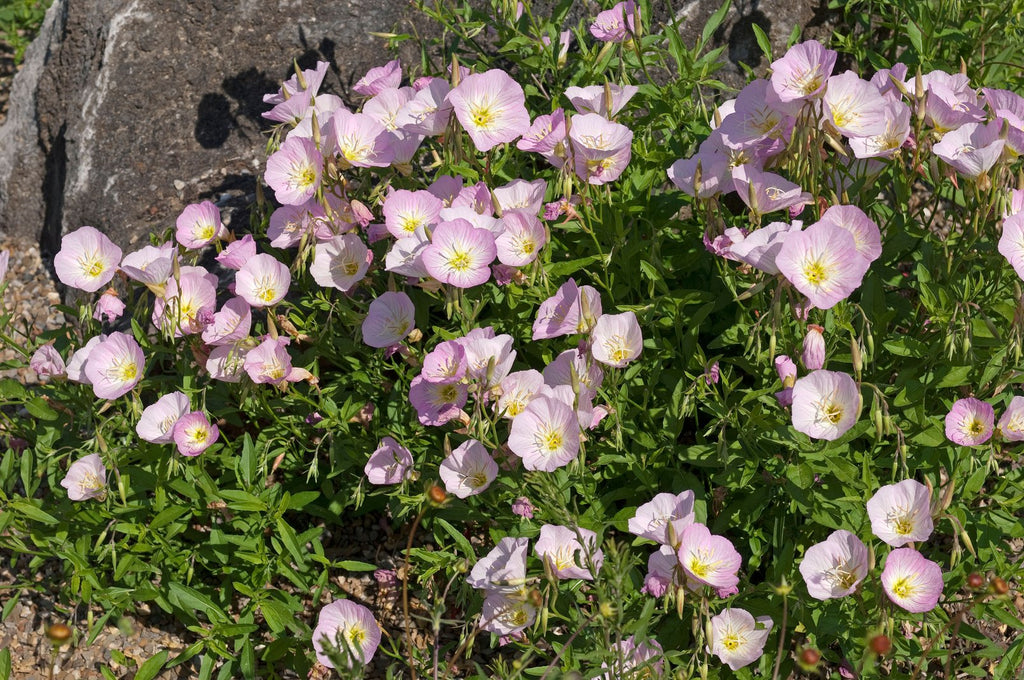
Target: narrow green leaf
x=714 y=21
x=32 y=512
x=153 y=665
x=762 y=40
x=460 y=540
x=5 y=664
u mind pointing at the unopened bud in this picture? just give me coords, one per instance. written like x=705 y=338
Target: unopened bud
x=809 y=658
x=436 y=494
x=975 y=580
x=536 y=598
x=999 y=586
x=58 y=633
x=880 y=645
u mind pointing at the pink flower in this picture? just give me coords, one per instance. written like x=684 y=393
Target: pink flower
x=758 y=116
x=231 y=324
x=289 y=223
x=761 y=247
x=517 y=391
x=854 y=106
x=546 y=435
x=617 y=24
x=437 y=403
x=507 y=613
x=158 y=419
x=569 y=553
x=604 y=100
x=825 y=404
x=429 y=111
x=822 y=262
x=708 y=559
x=616 y=339
x=47 y=362
x=572 y=309
x=634 y=660
x=521 y=195
x=766 y=192
x=835 y=567
x=786 y=369
x=895 y=133
x=311 y=81
x=109 y=306
x=294 y=170
x=522 y=239
x=350 y=630
x=972 y=148
x=406 y=255
x=702 y=175
x=269 y=361
x=546 y=136
x=601 y=149
x=194 y=433
x=360 y=140
x=663 y=518
x=737 y=638
x=390 y=319
x=663 y=571
x=87 y=260
x=238 y=252
x=901 y=513
x=866 y=236
x=912 y=581
x=1011 y=424
x=406 y=211
x=813 y=356
x=389 y=464
x=150 y=264
x=522 y=507
x=459 y=254
x=468 y=470
x=115 y=366
x=86 y=478
x=575 y=370
x=380 y=78
x=79 y=358
x=227 y=362
x=199 y=225
x=446 y=363
x=491 y=107
x=503 y=568
x=263 y=281
x=188 y=303
x=803 y=71
x=340 y=263
x=489 y=357
x=1011 y=242
x=969 y=422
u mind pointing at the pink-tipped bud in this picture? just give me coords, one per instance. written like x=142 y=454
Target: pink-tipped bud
x=813 y=356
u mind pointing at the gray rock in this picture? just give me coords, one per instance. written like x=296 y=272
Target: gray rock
x=128 y=110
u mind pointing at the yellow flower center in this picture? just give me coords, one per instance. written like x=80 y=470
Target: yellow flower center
x=551 y=441
x=448 y=393
x=481 y=116
x=350 y=268
x=197 y=434
x=459 y=260
x=123 y=370
x=903 y=588
x=477 y=479
x=731 y=642
x=815 y=273
x=832 y=412
x=203 y=232
x=91 y=265
x=975 y=427
x=356 y=636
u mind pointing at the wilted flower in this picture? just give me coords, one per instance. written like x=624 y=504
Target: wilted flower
x=390 y=319
x=156 y=425
x=86 y=478
x=836 y=566
x=546 y=435
x=522 y=507
x=912 y=581
x=48 y=363
x=708 y=559
x=87 y=260
x=460 y=254
x=468 y=470
x=263 y=280
x=199 y=225
x=969 y=422
x=194 y=433
x=1011 y=424
x=348 y=628
x=294 y=170
x=560 y=547
x=572 y=309
x=664 y=517
x=115 y=366
x=737 y=638
x=491 y=107
x=825 y=404
x=616 y=339
x=389 y=463
x=901 y=513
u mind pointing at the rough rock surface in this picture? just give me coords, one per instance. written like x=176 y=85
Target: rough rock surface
x=127 y=110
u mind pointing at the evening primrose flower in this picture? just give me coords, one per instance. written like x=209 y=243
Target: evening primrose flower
x=758 y=115
x=664 y=517
x=601 y=149
x=517 y=390
x=188 y=302
x=468 y=470
x=115 y=366
x=380 y=78
x=1011 y=424
x=87 y=260
x=854 y=106
x=150 y=264
x=340 y=263
x=825 y=404
x=901 y=513
x=737 y=638
x=360 y=140
x=269 y=361
x=617 y=24
x=491 y=107
x=546 y=435
x=437 y=403
x=572 y=309
x=866 y=236
x=802 y=72
x=348 y=628
x=231 y=324
x=158 y=419
x=389 y=464
x=546 y=136
x=446 y=363
x=294 y=170
x=972 y=148
x=194 y=433
x=406 y=211
x=597 y=99
x=760 y=247
x=813 y=356
x=520 y=243
x=460 y=254
x=708 y=559
x=237 y=252
x=822 y=262
x=912 y=581
x=199 y=225
x=109 y=306
x=263 y=281
x=616 y=339
x=836 y=566
x=86 y=478
x=48 y=363
x=80 y=358
x=575 y=370
x=503 y=568
x=969 y=422
x=1011 y=242
x=766 y=192
x=561 y=548
x=634 y=660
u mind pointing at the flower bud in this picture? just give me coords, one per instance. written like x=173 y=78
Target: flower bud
x=809 y=658
x=58 y=633
x=813 y=356
x=436 y=494
x=880 y=645
x=999 y=586
x=975 y=580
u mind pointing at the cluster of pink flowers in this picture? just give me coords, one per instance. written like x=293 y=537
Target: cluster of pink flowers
x=971 y=422
x=170 y=419
x=900 y=514
x=825 y=404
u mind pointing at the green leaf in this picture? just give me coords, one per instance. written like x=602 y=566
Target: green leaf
x=32 y=512
x=287 y=535
x=5 y=664
x=276 y=614
x=153 y=665
x=38 y=408
x=762 y=40
x=571 y=266
x=188 y=598
x=1012 y=663
x=242 y=501
x=354 y=565
x=714 y=21
x=460 y=540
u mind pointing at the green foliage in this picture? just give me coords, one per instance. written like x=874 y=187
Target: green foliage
x=19 y=22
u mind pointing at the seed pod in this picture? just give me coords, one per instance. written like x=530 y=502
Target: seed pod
x=999 y=586
x=880 y=645
x=58 y=633
x=975 y=580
